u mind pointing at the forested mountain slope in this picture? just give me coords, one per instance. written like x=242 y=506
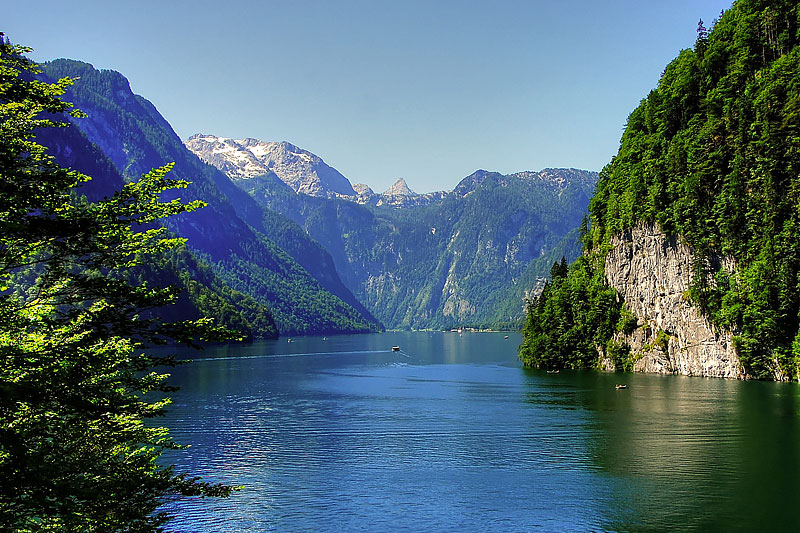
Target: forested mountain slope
x=233 y=234
x=465 y=257
x=709 y=161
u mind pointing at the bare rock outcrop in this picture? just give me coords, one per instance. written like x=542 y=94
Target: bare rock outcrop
x=652 y=272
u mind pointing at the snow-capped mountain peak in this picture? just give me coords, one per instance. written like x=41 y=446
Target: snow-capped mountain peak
x=247 y=158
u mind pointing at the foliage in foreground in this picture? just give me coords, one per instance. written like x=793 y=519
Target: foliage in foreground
x=75 y=452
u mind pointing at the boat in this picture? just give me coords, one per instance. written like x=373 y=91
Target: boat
x=553 y=371
x=505 y=337
x=621 y=387
x=395 y=348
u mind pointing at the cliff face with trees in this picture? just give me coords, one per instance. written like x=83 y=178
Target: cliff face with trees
x=710 y=158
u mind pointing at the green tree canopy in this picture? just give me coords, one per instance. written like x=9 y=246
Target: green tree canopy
x=75 y=452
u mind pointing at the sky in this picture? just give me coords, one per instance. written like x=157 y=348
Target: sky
x=429 y=91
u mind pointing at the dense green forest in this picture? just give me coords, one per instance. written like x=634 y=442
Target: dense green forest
x=711 y=155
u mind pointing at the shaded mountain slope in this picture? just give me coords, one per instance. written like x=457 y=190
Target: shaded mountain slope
x=203 y=292
x=233 y=233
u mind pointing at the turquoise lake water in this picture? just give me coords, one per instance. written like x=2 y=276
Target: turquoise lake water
x=451 y=434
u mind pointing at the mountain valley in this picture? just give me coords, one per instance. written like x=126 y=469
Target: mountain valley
x=291 y=234
x=417 y=261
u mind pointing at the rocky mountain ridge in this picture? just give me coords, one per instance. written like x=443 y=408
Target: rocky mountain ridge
x=306 y=173
x=303 y=171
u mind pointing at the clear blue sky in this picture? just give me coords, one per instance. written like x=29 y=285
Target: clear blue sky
x=425 y=90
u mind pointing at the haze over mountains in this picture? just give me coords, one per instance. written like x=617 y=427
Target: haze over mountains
x=292 y=234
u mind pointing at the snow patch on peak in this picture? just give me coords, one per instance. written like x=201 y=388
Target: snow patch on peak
x=202 y=137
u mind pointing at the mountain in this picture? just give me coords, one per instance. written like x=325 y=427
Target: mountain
x=241 y=159
x=334 y=260
x=203 y=292
x=691 y=263
x=234 y=235
x=555 y=179
x=466 y=256
x=300 y=170
x=399 y=188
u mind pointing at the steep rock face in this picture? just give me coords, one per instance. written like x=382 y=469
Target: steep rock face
x=652 y=272
x=363 y=189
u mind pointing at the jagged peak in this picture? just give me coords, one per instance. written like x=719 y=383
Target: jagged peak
x=399 y=188
x=249 y=157
x=207 y=137
x=289 y=147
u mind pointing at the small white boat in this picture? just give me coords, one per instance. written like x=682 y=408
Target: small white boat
x=395 y=348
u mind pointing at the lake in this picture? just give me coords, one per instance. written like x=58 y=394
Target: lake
x=451 y=433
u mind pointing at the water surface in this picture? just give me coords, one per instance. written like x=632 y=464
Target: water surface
x=450 y=433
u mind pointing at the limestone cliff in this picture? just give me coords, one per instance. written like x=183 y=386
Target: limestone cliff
x=652 y=273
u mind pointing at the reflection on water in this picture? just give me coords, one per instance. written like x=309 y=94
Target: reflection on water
x=450 y=433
